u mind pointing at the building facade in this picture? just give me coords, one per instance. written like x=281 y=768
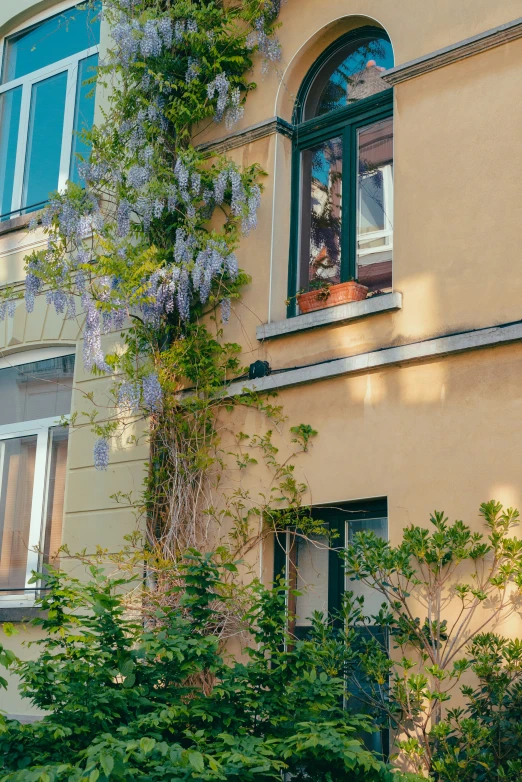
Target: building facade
x=388 y=133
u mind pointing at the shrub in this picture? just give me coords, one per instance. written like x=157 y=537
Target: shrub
x=482 y=742
x=131 y=702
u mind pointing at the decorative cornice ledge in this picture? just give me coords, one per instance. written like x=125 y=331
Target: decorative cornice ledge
x=437 y=347
x=242 y=137
x=457 y=51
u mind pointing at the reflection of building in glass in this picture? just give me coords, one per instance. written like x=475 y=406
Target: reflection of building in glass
x=366 y=82
x=326 y=207
x=322 y=239
x=375 y=206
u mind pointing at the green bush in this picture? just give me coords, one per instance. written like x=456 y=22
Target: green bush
x=482 y=742
x=126 y=701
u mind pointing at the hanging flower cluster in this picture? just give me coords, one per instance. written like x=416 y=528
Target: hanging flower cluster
x=132 y=244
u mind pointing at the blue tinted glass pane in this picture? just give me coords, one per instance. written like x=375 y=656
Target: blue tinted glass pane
x=60 y=36
x=83 y=113
x=9 y=120
x=44 y=139
x=352 y=73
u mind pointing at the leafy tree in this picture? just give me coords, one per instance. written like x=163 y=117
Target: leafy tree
x=131 y=702
x=442 y=590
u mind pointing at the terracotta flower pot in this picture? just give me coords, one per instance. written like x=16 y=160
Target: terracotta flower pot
x=337 y=294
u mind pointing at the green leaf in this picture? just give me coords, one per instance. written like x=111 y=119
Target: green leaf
x=147 y=744
x=129 y=681
x=107 y=763
x=196 y=761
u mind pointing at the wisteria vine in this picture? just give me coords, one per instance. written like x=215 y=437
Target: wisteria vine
x=131 y=247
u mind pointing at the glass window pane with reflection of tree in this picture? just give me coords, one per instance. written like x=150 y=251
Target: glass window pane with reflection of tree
x=352 y=73
x=375 y=206
x=321 y=213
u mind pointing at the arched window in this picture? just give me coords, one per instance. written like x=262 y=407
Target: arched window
x=343 y=173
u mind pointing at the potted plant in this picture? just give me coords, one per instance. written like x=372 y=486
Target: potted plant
x=325 y=294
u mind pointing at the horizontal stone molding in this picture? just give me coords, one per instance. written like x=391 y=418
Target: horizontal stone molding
x=24 y=718
x=457 y=51
x=341 y=313
x=242 y=137
x=425 y=350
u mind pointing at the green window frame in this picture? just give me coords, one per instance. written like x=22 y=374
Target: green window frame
x=336 y=518
x=340 y=123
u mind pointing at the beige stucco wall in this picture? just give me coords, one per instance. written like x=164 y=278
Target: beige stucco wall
x=91 y=516
x=441 y=434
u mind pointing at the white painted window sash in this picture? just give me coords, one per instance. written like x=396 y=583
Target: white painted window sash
x=48 y=70
x=71 y=65
x=37 y=505
x=41 y=428
x=26 y=428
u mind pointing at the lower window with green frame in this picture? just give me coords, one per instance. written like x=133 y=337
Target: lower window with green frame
x=314 y=568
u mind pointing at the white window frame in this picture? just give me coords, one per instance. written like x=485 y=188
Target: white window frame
x=40 y=427
x=67 y=64
x=387 y=234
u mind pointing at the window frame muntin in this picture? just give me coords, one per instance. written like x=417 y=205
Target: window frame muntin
x=41 y=427
x=67 y=64
x=308 y=133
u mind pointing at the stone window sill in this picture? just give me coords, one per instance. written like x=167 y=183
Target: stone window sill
x=342 y=313
x=20 y=613
x=18 y=223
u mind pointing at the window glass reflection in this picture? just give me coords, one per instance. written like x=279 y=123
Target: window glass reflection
x=39 y=390
x=352 y=73
x=9 y=122
x=321 y=213
x=83 y=114
x=44 y=141
x=312 y=578
x=54 y=39
x=52 y=540
x=17 y=462
x=375 y=206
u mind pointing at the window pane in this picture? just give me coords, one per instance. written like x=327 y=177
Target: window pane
x=39 y=390
x=17 y=459
x=375 y=206
x=321 y=214
x=53 y=39
x=44 y=140
x=55 y=496
x=312 y=578
x=352 y=73
x=372 y=599
x=9 y=121
x=83 y=113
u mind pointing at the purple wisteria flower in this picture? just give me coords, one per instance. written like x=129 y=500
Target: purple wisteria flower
x=152 y=392
x=92 y=349
x=123 y=217
x=151 y=43
x=221 y=86
x=129 y=396
x=225 y=310
x=33 y=286
x=101 y=454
